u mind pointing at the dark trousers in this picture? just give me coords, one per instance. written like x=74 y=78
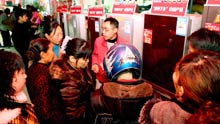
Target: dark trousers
x=6 y=38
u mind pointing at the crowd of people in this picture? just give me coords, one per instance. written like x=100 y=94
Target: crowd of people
x=63 y=90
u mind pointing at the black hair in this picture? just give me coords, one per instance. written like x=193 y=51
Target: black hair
x=205 y=39
x=7 y=11
x=49 y=26
x=9 y=63
x=112 y=21
x=36 y=47
x=79 y=48
x=1 y=12
x=20 y=12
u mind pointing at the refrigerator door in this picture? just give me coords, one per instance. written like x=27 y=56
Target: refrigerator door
x=75 y=26
x=211 y=14
x=163 y=46
x=94 y=28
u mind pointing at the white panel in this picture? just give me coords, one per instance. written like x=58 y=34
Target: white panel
x=138 y=33
x=196 y=22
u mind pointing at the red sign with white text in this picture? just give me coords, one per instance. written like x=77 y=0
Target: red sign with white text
x=95 y=11
x=214 y=2
x=64 y=8
x=75 y=9
x=123 y=8
x=59 y=8
x=213 y=26
x=171 y=7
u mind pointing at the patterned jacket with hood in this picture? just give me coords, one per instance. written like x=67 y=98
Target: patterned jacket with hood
x=23 y=113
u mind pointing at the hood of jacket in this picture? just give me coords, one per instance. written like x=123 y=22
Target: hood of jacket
x=6 y=115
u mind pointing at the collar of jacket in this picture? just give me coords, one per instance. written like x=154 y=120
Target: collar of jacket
x=105 y=43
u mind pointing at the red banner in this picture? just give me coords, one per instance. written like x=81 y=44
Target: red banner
x=64 y=8
x=96 y=11
x=175 y=7
x=213 y=2
x=75 y=9
x=213 y=26
x=59 y=8
x=123 y=8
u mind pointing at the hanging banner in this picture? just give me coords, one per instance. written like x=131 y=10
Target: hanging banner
x=213 y=2
x=213 y=26
x=96 y=11
x=75 y=9
x=59 y=9
x=123 y=8
x=64 y=8
x=170 y=7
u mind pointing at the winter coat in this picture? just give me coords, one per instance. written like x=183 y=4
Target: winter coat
x=75 y=87
x=20 y=111
x=24 y=115
x=44 y=94
x=123 y=100
x=21 y=36
x=163 y=112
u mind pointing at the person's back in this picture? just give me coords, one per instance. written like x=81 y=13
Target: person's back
x=126 y=93
x=4 y=24
x=21 y=34
x=4 y=17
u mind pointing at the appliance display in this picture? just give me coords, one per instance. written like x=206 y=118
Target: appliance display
x=75 y=25
x=196 y=22
x=211 y=17
x=94 y=28
x=164 y=44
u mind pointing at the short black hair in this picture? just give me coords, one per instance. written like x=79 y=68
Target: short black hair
x=112 y=21
x=7 y=11
x=1 y=11
x=205 y=39
x=79 y=48
x=20 y=12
